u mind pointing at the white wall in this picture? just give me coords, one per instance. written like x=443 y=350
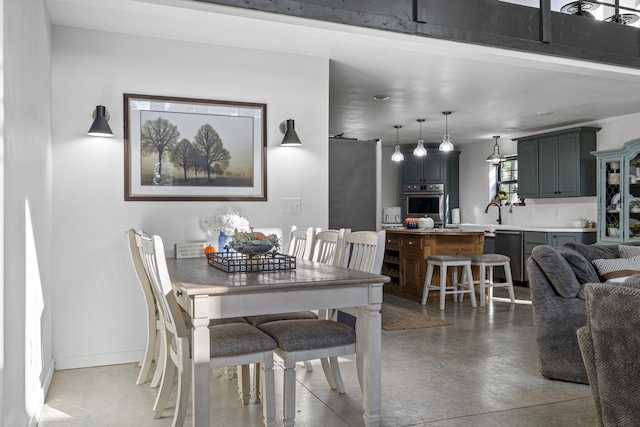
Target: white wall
x=100 y=319
x=27 y=364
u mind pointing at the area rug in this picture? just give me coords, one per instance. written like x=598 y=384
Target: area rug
x=396 y=318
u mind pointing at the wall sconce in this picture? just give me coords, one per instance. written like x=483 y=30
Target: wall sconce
x=495 y=158
x=290 y=136
x=100 y=126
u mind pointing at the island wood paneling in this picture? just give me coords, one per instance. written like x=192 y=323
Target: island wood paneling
x=406 y=253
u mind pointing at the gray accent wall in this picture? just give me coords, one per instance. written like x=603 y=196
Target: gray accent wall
x=352 y=184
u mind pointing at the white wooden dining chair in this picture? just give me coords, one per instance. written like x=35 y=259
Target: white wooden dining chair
x=328 y=246
x=231 y=343
x=364 y=251
x=301 y=242
x=153 y=351
x=304 y=340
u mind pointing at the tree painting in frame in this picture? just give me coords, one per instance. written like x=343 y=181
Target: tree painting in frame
x=193 y=149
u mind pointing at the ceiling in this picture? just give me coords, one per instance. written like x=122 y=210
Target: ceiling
x=489 y=91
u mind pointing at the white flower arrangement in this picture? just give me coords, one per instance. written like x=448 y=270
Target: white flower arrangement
x=226 y=220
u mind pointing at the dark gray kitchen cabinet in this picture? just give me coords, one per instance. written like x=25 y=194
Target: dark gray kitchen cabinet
x=558 y=164
x=528 y=169
x=424 y=170
x=555 y=239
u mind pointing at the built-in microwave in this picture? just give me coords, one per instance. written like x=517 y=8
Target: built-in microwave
x=422 y=200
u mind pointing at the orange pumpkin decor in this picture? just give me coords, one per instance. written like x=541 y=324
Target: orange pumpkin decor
x=210 y=250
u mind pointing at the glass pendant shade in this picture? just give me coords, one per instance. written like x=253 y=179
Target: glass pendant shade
x=397 y=155
x=420 y=151
x=495 y=158
x=446 y=144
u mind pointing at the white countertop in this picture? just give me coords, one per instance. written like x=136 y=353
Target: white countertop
x=491 y=228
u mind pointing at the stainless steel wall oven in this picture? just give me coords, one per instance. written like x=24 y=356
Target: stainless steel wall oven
x=420 y=200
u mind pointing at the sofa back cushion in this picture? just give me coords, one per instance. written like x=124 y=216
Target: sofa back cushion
x=591 y=252
x=582 y=268
x=557 y=269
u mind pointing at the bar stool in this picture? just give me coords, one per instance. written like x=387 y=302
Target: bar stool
x=489 y=261
x=443 y=262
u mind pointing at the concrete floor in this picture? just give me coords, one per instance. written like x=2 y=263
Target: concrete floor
x=480 y=371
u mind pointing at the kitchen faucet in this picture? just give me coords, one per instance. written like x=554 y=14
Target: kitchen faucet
x=499 y=211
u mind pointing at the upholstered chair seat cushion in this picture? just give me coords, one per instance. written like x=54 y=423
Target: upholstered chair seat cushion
x=297 y=335
x=296 y=315
x=232 y=339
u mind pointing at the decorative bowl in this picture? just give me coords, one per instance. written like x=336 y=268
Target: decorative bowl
x=252 y=249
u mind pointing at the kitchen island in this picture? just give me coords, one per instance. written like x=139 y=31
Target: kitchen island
x=406 y=252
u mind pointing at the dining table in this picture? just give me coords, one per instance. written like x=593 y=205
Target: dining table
x=207 y=292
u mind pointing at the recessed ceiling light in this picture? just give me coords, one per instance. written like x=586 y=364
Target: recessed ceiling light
x=380 y=97
x=544 y=113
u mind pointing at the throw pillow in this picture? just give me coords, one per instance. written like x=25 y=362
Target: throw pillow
x=628 y=251
x=582 y=268
x=617 y=267
x=557 y=269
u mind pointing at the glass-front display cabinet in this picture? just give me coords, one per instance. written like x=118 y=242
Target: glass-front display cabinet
x=619 y=193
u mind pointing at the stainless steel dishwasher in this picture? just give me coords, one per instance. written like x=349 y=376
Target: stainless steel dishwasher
x=509 y=243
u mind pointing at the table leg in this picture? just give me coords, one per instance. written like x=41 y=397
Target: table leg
x=368 y=357
x=200 y=395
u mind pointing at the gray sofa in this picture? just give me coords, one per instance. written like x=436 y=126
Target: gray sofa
x=610 y=344
x=557 y=278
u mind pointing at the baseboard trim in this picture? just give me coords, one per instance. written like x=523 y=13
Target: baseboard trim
x=62 y=363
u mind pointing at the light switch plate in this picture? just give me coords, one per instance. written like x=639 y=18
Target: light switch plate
x=291 y=205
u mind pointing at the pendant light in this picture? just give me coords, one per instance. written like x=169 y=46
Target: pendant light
x=397 y=155
x=446 y=144
x=420 y=150
x=495 y=158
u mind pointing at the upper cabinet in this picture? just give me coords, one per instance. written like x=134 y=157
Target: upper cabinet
x=424 y=170
x=619 y=193
x=557 y=164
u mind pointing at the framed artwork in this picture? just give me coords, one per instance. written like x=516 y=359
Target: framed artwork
x=183 y=149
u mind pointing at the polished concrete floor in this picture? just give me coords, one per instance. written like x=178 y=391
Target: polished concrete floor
x=480 y=371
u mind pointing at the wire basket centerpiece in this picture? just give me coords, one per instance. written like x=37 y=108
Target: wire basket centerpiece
x=252 y=252
x=234 y=262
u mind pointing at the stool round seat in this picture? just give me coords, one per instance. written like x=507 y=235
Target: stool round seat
x=448 y=258
x=486 y=258
x=486 y=263
x=443 y=262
